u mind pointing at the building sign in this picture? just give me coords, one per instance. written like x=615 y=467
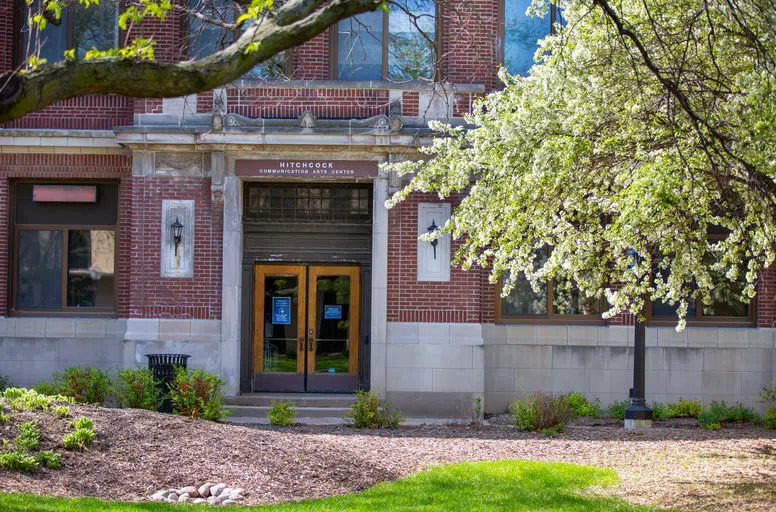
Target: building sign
x=332 y=312
x=281 y=310
x=307 y=168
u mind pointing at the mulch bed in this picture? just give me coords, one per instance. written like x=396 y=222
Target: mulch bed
x=675 y=464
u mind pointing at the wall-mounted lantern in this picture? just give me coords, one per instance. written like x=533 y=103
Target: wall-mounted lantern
x=433 y=227
x=177 y=233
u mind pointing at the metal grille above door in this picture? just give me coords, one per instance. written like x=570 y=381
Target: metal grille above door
x=324 y=203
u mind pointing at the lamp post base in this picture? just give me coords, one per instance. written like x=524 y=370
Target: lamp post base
x=638 y=415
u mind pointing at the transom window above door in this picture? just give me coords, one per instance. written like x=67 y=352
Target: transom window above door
x=308 y=202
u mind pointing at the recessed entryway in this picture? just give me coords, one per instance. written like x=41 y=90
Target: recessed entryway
x=306 y=328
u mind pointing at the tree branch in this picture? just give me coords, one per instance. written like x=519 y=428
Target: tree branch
x=302 y=20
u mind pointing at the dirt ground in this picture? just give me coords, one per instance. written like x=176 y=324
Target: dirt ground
x=675 y=464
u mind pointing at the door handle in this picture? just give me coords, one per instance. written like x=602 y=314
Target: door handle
x=301 y=344
x=311 y=344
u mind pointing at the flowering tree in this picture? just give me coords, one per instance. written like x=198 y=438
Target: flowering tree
x=641 y=150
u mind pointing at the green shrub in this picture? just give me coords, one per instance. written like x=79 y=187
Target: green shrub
x=46 y=388
x=659 y=410
x=769 y=393
x=82 y=423
x=85 y=385
x=17 y=461
x=79 y=439
x=281 y=414
x=197 y=394
x=29 y=436
x=83 y=435
x=4 y=418
x=48 y=459
x=711 y=426
x=541 y=411
x=770 y=418
x=4 y=383
x=137 y=389
x=62 y=411
x=616 y=410
x=719 y=412
x=367 y=412
x=685 y=408
x=13 y=393
x=582 y=407
x=554 y=431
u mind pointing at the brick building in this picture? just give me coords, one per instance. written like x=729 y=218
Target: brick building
x=289 y=274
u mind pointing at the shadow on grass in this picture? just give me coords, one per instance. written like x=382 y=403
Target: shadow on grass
x=507 y=485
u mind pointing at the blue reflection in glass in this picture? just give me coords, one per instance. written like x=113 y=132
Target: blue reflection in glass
x=521 y=33
x=360 y=47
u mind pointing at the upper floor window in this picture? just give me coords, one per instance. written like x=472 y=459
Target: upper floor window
x=557 y=301
x=213 y=27
x=395 y=45
x=79 y=28
x=522 y=33
x=64 y=247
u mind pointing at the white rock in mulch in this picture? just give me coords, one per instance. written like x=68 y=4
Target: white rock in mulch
x=213 y=494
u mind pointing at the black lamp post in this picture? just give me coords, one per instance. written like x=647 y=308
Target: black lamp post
x=177 y=233
x=638 y=415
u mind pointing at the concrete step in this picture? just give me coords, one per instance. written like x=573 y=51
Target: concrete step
x=260 y=411
x=320 y=400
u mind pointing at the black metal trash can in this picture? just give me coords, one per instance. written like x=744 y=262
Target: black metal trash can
x=163 y=367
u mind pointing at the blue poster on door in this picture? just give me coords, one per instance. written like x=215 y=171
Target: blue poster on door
x=281 y=310
x=332 y=312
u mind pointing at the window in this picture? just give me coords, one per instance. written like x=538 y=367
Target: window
x=393 y=45
x=308 y=203
x=725 y=306
x=80 y=28
x=214 y=33
x=522 y=33
x=559 y=302
x=64 y=252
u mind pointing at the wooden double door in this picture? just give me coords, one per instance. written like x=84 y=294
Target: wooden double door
x=306 y=328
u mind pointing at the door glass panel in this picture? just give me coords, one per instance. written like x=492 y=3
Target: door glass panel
x=332 y=304
x=280 y=324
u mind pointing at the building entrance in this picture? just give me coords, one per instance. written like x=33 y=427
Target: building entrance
x=306 y=328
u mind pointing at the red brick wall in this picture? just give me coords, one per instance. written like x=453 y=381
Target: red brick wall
x=766 y=299
x=311 y=60
x=53 y=166
x=155 y=297
x=281 y=103
x=92 y=112
x=459 y=300
x=468 y=49
x=6 y=35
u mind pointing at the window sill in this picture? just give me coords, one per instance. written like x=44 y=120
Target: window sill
x=553 y=320
x=404 y=85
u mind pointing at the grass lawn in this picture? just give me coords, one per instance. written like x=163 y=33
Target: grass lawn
x=508 y=485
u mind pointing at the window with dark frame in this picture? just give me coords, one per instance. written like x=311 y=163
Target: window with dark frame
x=555 y=302
x=399 y=44
x=64 y=252
x=522 y=34
x=206 y=37
x=308 y=203
x=80 y=28
x=725 y=307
